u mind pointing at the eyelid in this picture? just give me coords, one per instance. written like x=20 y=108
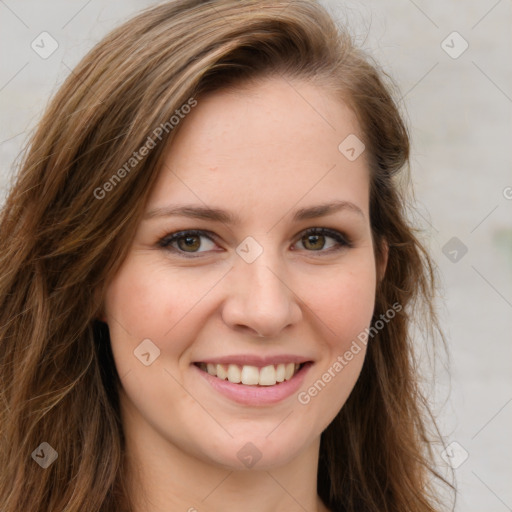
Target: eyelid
x=342 y=240
x=339 y=236
x=166 y=241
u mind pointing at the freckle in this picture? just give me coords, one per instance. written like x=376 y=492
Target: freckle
x=213 y=168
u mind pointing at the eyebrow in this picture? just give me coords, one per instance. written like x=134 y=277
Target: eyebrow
x=219 y=215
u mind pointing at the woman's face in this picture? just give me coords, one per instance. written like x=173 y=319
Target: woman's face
x=250 y=289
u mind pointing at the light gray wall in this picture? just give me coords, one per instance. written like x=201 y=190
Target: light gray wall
x=459 y=111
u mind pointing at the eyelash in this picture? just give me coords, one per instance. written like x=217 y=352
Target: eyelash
x=342 y=240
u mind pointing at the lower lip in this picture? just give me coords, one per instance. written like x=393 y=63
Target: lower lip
x=257 y=395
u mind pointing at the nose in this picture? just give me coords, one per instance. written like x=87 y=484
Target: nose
x=259 y=298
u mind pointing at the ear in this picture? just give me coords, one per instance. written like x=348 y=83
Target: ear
x=383 y=263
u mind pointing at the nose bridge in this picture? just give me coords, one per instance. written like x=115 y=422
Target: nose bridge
x=265 y=276
x=260 y=299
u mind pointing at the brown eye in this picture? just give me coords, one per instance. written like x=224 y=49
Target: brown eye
x=316 y=239
x=187 y=242
x=313 y=242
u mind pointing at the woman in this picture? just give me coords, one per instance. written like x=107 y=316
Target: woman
x=208 y=278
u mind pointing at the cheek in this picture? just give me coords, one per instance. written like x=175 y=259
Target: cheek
x=344 y=301
x=134 y=301
x=148 y=301
x=344 y=305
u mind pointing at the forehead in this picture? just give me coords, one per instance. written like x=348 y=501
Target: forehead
x=271 y=143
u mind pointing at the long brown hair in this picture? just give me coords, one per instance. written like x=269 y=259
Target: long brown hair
x=68 y=222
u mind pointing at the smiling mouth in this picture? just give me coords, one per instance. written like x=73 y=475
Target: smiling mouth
x=270 y=375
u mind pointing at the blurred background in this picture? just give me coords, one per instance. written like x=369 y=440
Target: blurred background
x=452 y=63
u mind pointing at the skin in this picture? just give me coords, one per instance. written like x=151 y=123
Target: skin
x=260 y=151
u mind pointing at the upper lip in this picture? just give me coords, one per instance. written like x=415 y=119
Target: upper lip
x=253 y=360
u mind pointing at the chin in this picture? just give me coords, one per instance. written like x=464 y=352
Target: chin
x=257 y=452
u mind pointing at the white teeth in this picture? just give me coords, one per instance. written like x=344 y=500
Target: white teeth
x=280 y=372
x=221 y=372
x=252 y=375
x=234 y=373
x=289 y=371
x=267 y=376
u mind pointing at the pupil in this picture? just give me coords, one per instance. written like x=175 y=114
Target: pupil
x=190 y=241
x=315 y=239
